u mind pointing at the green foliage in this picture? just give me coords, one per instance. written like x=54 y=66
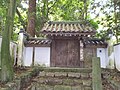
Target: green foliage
x=51 y=10
x=109 y=18
x=93 y=24
x=69 y=10
x=3 y=3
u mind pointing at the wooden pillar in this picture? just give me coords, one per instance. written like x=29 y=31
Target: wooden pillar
x=96 y=74
x=33 y=56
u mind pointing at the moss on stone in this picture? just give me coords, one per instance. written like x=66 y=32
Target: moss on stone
x=75 y=70
x=62 y=87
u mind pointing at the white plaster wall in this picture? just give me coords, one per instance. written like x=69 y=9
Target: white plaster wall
x=107 y=58
x=20 y=49
x=27 y=56
x=42 y=56
x=111 y=57
x=117 y=56
x=102 y=53
x=13 y=50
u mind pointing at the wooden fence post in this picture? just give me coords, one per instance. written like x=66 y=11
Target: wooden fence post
x=96 y=74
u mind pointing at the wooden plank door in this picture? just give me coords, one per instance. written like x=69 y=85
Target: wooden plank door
x=73 y=54
x=61 y=49
x=65 y=53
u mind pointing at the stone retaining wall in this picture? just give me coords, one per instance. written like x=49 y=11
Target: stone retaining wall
x=111 y=84
x=22 y=81
x=111 y=79
x=62 y=79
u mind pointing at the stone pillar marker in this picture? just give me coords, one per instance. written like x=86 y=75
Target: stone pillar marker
x=96 y=74
x=20 y=47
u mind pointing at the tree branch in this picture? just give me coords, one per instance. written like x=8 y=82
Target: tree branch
x=20 y=18
x=52 y=5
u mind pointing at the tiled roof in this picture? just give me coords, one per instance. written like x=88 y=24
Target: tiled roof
x=67 y=28
x=37 y=42
x=95 y=42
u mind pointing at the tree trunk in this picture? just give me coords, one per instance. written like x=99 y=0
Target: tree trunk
x=12 y=14
x=6 y=62
x=115 y=20
x=31 y=17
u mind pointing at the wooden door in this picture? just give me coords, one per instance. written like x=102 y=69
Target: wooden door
x=65 y=53
x=61 y=49
x=73 y=59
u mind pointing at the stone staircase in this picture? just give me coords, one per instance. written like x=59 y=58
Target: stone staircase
x=62 y=79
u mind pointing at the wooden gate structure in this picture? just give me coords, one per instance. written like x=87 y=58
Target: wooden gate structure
x=66 y=39
x=65 y=52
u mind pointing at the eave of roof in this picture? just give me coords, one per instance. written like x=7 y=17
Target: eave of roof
x=67 y=28
x=95 y=42
x=37 y=42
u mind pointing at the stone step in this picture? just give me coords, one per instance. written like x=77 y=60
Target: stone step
x=63 y=81
x=55 y=78
x=57 y=87
x=60 y=69
x=65 y=74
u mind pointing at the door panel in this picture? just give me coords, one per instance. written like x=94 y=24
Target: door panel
x=61 y=53
x=73 y=54
x=67 y=53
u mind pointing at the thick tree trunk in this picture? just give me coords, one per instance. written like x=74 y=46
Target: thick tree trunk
x=6 y=62
x=12 y=14
x=31 y=17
